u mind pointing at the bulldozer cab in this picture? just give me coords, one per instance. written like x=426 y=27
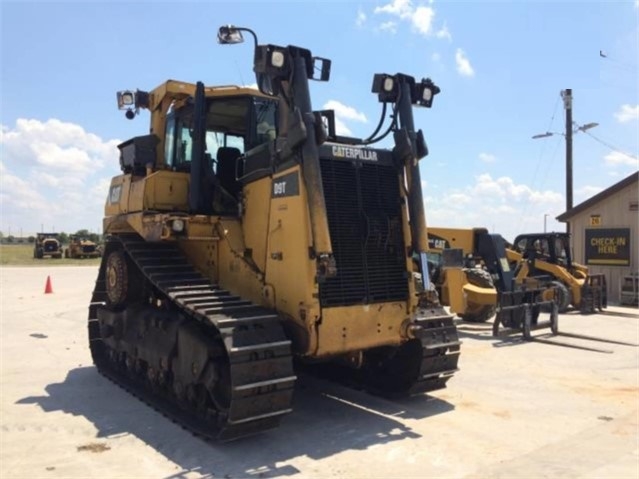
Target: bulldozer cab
x=233 y=125
x=193 y=159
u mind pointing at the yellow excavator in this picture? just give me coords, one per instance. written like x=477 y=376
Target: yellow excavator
x=244 y=233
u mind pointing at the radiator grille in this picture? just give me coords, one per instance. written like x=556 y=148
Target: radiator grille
x=364 y=219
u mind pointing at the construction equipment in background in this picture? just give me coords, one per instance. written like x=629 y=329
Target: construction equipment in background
x=481 y=282
x=243 y=232
x=521 y=298
x=549 y=254
x=47 y=244
x=80 y=247
x=479 y=271
x=462 y=283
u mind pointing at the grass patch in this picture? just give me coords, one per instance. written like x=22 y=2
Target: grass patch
x=22 y=255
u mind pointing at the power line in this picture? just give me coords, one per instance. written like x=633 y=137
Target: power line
x=541 y=154
x=611 y=147
x=618 y=63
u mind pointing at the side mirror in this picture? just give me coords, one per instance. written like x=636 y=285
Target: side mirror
x=323 y=66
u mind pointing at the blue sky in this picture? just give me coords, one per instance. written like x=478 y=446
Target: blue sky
x=500 y=65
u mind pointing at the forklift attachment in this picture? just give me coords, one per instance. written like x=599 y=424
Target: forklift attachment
x=594 y=295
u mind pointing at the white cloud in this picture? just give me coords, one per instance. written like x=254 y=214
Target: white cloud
x=361 y=18
x=464 y=67
x=586 y=192
x=500 y=204
x=54 y=143
x=50 y=172
x=459 y=199
x=344 y=113
x=341 y=128
x=444 y=33
x=505 y=187
x=19 y=193
x=401 y=8
x=389 y=26
x=251 y=85
x=435 y=57
x=487 y=157
x=420 y=18
x=618 y=158
x=627 y=113
x=423 y=19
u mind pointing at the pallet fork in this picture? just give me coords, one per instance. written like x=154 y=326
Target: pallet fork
x=594 y=294
x=519 y=312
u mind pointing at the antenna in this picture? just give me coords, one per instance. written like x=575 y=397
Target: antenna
x=239 y=71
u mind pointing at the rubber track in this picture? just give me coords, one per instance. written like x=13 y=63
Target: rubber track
x=259 y=354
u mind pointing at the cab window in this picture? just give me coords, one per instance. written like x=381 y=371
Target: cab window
x=238 y=123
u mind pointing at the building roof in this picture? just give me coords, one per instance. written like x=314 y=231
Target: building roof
x=602 y=195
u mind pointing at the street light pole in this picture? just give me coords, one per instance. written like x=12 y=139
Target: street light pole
x=546 y=215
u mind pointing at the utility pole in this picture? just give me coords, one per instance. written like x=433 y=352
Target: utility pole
x=567 y=96
x=570 y=129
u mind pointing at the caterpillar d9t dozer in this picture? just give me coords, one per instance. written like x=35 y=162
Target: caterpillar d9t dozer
x=243 y=232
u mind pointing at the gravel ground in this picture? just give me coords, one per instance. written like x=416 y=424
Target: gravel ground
x=513 y=410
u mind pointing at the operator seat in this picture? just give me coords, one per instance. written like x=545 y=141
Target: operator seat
x=226 y=164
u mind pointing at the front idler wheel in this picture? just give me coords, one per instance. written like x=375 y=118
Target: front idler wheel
x=116 y=278
x=123 y=284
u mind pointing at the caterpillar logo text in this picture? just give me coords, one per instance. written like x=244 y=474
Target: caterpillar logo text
x=435 y=242
x=354 y=153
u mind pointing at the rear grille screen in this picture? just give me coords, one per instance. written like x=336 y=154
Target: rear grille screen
x=364 y=219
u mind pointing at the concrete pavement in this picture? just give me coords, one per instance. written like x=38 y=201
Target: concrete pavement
x=513 y=410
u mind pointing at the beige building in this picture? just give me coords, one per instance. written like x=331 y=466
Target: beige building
x=605 y=231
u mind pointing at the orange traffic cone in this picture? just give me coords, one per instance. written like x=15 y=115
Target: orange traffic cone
x=48 y=289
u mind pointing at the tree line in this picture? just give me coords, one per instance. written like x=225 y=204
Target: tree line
x=62 y=236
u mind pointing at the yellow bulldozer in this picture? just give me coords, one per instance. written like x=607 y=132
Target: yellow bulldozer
x=244 y=233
